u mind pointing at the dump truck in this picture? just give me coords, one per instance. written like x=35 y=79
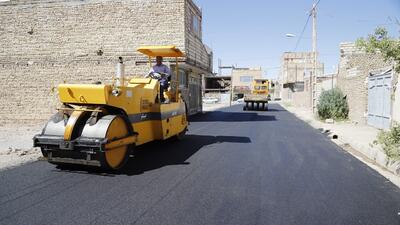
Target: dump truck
x=101 y=124
x=258 y=98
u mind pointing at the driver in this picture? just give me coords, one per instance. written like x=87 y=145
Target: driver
x=165 y=73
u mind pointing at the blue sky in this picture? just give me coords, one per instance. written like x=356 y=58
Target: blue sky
x=252 y=32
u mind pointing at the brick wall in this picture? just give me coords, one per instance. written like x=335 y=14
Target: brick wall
x=294 y=64
x=354 y=68
x=46 y=42
x=297 y=67
x=195 y=49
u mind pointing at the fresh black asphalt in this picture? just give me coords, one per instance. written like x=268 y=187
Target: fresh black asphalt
x=233 y=167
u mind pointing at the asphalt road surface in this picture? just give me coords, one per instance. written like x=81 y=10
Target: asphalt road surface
x=233 y=167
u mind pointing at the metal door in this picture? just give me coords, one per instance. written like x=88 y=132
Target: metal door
x=194 y=95
x=379 y=100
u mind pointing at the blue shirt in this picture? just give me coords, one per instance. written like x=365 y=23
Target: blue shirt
x=161 y=69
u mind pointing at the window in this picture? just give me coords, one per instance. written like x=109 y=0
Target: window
x=196 y=25
x=183 y=78
x=246 y=79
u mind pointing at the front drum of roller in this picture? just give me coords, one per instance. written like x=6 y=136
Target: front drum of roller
x=112 y=127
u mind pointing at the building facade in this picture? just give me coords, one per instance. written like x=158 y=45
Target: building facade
x=355 y=67
x=242 y=79
x=294 y=78
x=45 y=43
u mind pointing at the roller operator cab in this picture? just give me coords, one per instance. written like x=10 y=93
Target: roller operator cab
x=100 y=124
x=258 y=98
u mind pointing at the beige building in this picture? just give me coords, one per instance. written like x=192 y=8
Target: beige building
x=242 y=79
x=44 y=43
x=294 y=78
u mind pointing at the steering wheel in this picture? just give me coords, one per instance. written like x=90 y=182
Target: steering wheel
x=154 y=75
x=157 y=76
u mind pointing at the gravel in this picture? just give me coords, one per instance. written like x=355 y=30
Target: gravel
x=16 y=145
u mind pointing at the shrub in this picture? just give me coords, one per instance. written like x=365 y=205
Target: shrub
x=390 y=141
x=332 y=104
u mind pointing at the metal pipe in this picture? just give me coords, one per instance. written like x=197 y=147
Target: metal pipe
x=177 y=79
x=120 y=73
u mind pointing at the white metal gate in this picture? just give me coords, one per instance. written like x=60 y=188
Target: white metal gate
x=379 y=99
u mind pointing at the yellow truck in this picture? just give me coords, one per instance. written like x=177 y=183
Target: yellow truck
x=258 y=98
x=100 y=124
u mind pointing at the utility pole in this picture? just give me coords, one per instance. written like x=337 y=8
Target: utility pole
x=313 y=78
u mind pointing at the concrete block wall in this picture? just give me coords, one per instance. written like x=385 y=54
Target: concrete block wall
x=45 y=43
x=354 y=68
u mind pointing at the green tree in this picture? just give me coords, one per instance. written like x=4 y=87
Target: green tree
x=382 y=43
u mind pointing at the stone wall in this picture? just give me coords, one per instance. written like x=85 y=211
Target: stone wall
x=44 y=43
x=354 y=69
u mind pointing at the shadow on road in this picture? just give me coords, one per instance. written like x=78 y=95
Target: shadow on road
x=231 y=117
x=276 y=110
x=159 y=154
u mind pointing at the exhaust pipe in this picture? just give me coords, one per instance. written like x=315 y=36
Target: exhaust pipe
x=120 y=78
x=120 y=73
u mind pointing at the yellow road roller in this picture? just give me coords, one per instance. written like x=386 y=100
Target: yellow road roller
x=258 y=98
x=100 y=124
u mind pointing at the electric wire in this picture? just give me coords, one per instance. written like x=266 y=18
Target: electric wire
x=305 y=26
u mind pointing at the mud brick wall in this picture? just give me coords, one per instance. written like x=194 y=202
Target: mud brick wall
x=354 y=69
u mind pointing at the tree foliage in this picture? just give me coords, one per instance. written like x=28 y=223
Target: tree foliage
x=332 y=105
x=380 y=41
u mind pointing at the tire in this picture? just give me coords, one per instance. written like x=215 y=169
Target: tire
x=181 y=135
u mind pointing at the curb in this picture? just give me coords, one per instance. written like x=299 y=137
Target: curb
x=375 y=158
x=377 y=155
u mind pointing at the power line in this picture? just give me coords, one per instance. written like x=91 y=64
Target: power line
x=305 y=26
x=302 y=32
